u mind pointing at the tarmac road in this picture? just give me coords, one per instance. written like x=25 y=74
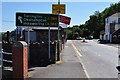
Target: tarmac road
x=99 y=60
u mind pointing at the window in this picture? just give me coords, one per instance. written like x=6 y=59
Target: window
x=114 y=21
x=119 y=37
x=107 y=20
x=119 y=20
x=114 y=37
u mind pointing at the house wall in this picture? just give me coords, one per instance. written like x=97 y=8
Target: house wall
x=111 y=19
x=117 y=26
x=42 y=35
x=39 y=49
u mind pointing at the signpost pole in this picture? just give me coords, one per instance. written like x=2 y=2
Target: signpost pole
x=49 y=43
x=58 y=49
x=28 y=44
x=1 y=63
x=17 y=34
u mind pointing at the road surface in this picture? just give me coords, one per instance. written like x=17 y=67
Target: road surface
x=98 y=60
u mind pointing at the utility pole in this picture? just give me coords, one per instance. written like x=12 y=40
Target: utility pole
x=58 y=47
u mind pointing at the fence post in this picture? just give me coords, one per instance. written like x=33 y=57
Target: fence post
x=1 y=70
x=1 y=57
x=20 y=60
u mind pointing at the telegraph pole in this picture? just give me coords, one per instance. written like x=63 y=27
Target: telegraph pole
x=58 y=47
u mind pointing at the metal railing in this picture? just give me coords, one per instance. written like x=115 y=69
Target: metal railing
x=2 y=59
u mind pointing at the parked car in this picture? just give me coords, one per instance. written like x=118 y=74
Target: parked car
x=89 y=37
x=78 y=38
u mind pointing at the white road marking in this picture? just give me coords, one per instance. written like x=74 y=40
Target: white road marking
x=84 y=69
x=78 y=52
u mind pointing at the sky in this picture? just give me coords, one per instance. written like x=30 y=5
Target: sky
x=78 y=11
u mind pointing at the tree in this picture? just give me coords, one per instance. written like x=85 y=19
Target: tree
x=96 y=23
x=69 y=34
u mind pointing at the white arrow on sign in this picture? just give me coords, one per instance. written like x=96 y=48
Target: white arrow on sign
x=20 y=18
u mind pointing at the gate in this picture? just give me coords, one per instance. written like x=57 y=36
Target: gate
x=6 y=59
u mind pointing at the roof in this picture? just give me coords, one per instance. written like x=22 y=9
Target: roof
x=46 y=28
x=116 y=32
x=115 y=15
x=62 y=26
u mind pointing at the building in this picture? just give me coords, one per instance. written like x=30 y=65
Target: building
x=39 y=44
x=112 y=29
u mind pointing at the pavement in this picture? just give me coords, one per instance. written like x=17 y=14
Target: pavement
x=108 y=44
x=68 y=67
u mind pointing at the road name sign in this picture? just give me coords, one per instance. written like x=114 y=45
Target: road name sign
x=58 y=8
x=36 y=19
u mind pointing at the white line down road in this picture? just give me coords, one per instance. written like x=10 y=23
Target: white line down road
x=98 y=60
x=79 y=56
x=76 y=50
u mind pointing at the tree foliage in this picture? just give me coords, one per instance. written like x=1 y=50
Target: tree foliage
x=73 y=32
x=96 y=22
